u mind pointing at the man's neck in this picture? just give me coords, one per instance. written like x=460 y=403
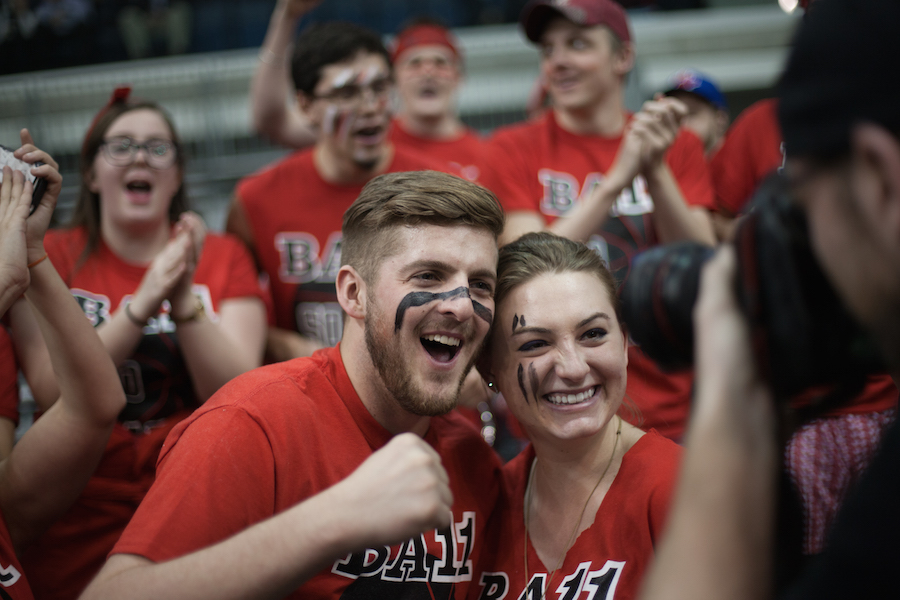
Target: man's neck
x=368 y=385
x=606 y=119
x=340 y=170
x=434 y=127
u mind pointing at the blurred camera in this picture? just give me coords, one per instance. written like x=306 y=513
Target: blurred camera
x=39 y=183
x=803 y=338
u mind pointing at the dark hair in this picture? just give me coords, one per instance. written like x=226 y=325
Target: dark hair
x=542 y=252
x=839 y=74
x=324 y=44
x=87 y=207
x=411 y=198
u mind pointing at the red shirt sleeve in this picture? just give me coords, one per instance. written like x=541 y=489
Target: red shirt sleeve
x=191 y=504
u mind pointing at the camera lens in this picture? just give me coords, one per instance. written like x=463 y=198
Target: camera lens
x=803 y=337
x=658 y=300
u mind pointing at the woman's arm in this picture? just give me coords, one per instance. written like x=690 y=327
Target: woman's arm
x=48 y=468
x=215 y=352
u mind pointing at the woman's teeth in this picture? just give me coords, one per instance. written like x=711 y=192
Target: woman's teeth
x=571 y=398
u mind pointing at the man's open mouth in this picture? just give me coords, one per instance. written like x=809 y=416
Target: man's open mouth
x=442 y=348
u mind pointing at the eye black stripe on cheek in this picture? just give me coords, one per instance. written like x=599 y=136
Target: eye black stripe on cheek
x=532 y=375
x=483 y=312
x=521 y=375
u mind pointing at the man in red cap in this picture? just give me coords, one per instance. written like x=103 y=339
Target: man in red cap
x=428 y=68
x=591 y=171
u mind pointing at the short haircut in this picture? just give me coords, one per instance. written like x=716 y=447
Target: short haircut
x=538 y=253
x=842 y=71
x=324 y=44
x=411 y=198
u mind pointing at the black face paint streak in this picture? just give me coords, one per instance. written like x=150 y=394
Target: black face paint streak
x=522 y=321
x=521 y=375
x=515 y=322
x=415 y=299
x=532 y=376
x=483 y=312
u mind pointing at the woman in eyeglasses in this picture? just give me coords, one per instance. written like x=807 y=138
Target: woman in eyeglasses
x=179 y=309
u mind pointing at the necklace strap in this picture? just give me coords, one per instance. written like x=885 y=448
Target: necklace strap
x=527 y=506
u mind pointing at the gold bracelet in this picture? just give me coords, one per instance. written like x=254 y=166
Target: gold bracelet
x=133 y=318
x=38 y=261
x=199 y=313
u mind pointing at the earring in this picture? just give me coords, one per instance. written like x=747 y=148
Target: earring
x=491 y=384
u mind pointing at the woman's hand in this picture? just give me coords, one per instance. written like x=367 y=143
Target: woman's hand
x=39 y=221
x=161 y=278
x=193 y=229
x=14 y=202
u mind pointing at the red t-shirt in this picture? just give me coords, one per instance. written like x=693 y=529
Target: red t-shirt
x=463 y=154
x=158 y=390
x=13 y=584
x=609 y=558
x=751 y=150
x=279 y=434
x=540 y=167
x=295 y=217
x=9 y=384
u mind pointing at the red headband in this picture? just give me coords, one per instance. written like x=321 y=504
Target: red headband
x=119 y=95
x=424 y=35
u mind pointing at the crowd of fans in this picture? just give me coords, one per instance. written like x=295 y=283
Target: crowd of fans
x=403 y=369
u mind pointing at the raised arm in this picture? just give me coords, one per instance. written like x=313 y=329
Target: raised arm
x=398 y=492
x=719 y=541
x=49 y=466
x=272 y=97
x=13 y=266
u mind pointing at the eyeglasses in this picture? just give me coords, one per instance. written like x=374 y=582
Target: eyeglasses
x=121 y=152
x=352 y=94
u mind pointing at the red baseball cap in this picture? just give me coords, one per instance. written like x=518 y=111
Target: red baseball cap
x=587 y=13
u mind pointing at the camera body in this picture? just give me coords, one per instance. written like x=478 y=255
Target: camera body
x=39 y=183
x=803 y=337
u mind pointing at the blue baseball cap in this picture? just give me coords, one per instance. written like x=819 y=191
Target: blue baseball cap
x=695 y=82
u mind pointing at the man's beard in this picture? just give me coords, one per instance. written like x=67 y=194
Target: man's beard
x=367 y=164
x=395 y=375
